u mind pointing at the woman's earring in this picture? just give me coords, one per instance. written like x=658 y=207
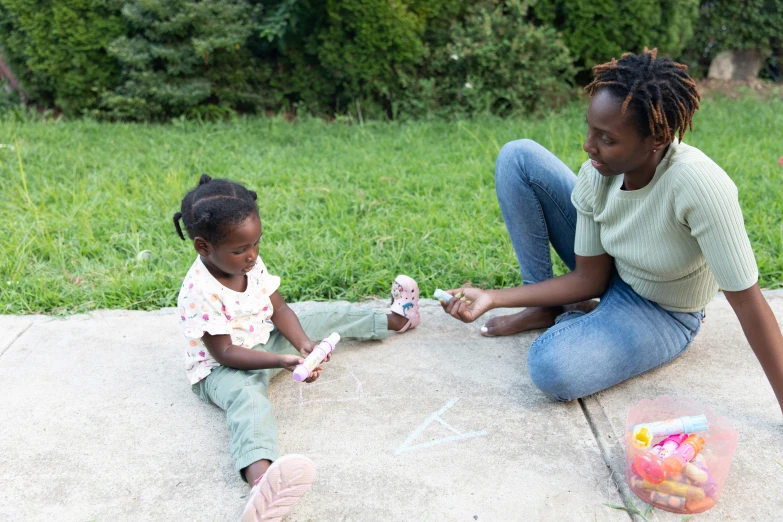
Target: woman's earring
x=655 y=150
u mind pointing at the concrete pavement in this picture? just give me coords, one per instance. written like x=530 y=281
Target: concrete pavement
x=438 y=424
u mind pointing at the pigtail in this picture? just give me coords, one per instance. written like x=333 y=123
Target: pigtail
x=253 y=194
x=177 y=217
x=204 y=179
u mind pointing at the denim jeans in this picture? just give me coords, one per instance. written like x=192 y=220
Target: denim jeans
x=626 y=334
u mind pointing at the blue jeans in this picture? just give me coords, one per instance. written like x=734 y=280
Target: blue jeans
x=626 y=334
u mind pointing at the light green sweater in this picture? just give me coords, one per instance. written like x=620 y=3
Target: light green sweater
x=674 y=241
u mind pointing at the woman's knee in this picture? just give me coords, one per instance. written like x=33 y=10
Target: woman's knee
x=513 y=156
x=553 y=373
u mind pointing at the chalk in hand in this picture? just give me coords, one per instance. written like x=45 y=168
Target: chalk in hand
x=319 y=353
x=440 y=294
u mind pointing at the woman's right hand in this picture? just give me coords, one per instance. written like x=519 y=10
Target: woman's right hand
x=468 y=304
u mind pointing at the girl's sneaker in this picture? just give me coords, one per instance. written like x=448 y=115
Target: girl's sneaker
x=405 y=301
x=285 y=482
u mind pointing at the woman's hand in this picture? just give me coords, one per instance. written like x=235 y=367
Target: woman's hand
x=468 y=304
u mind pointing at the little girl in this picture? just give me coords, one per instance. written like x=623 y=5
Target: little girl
x=240 y=333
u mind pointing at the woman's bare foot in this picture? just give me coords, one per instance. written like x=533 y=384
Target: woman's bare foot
x=531 y=318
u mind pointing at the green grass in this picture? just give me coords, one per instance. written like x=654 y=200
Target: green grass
x=345 y=207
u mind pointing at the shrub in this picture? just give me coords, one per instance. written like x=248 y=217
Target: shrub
x=731 y=25
x=58 y=49
x=596 y=31
x=180 y=55
x=330 y=54
x=496 y=62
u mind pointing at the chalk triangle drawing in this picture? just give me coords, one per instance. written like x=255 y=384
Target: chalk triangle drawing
x=435 y=417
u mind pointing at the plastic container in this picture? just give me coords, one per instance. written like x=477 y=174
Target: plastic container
x=687 y=492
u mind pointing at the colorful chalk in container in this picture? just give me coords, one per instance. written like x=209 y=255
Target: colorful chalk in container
x=643 y=434
x=650 y=464
x=664 y=462
x=669 y=487
x=319 y=353
x=676 y=461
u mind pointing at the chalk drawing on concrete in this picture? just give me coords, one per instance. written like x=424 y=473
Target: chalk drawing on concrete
x=436 y=417
x=357 y=396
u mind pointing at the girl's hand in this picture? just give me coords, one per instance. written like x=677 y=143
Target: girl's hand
x=290 y=362
x=308 y=347
x=468 y=304
x=314 y=374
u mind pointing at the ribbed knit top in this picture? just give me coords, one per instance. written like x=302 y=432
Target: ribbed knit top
x=674 y=241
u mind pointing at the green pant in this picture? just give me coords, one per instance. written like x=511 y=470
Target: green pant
x=243 y=394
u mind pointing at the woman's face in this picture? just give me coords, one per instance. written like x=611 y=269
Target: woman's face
x=613 y=142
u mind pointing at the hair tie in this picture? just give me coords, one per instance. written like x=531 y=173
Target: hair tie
x=177 y=217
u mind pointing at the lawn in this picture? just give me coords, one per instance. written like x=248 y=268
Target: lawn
x=345 y=207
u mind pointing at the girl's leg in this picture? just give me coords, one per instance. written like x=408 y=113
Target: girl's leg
x=243 y=395
x=626 y=335
x=534 y=191
x=352 y=322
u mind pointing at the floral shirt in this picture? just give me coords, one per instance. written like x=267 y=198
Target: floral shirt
x=205 y=305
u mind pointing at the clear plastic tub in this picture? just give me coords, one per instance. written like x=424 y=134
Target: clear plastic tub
x=699 y=486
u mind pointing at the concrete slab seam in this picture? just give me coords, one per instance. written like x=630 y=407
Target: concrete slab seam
x=15 y=339
x=599 y=424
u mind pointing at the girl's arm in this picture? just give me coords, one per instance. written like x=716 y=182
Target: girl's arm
x=288 y=323
x=589 y=279
x=762 y=332
x=241 y=358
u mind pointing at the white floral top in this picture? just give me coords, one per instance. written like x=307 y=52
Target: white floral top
x=205 y=305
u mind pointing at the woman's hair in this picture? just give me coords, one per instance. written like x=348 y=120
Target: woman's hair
x=211 y=208
x=662 y=95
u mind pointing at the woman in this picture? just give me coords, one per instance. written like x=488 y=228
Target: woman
x=652 y=226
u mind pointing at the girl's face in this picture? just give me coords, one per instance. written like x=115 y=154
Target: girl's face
x=613 y=142
x=236 y=254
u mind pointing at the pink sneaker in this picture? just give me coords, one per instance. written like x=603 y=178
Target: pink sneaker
x=405 y=301
x=285 y=482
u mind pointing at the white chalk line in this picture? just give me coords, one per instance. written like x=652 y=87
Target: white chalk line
x=435 y=417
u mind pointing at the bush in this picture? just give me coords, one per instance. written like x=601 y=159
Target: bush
x=596 y=31
x=495 y=62
x=58 y=49
x=330 y=55
x=366 y=44
x=187 y=57
x=731 y=25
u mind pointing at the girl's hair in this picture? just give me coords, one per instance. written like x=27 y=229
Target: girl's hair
x=212 y=207
x=663 y=95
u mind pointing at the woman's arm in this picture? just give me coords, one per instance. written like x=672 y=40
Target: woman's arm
x=762 y=332
x=589 y=279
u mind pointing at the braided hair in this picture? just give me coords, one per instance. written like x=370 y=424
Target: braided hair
x=662 y=95
x=210 y=209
